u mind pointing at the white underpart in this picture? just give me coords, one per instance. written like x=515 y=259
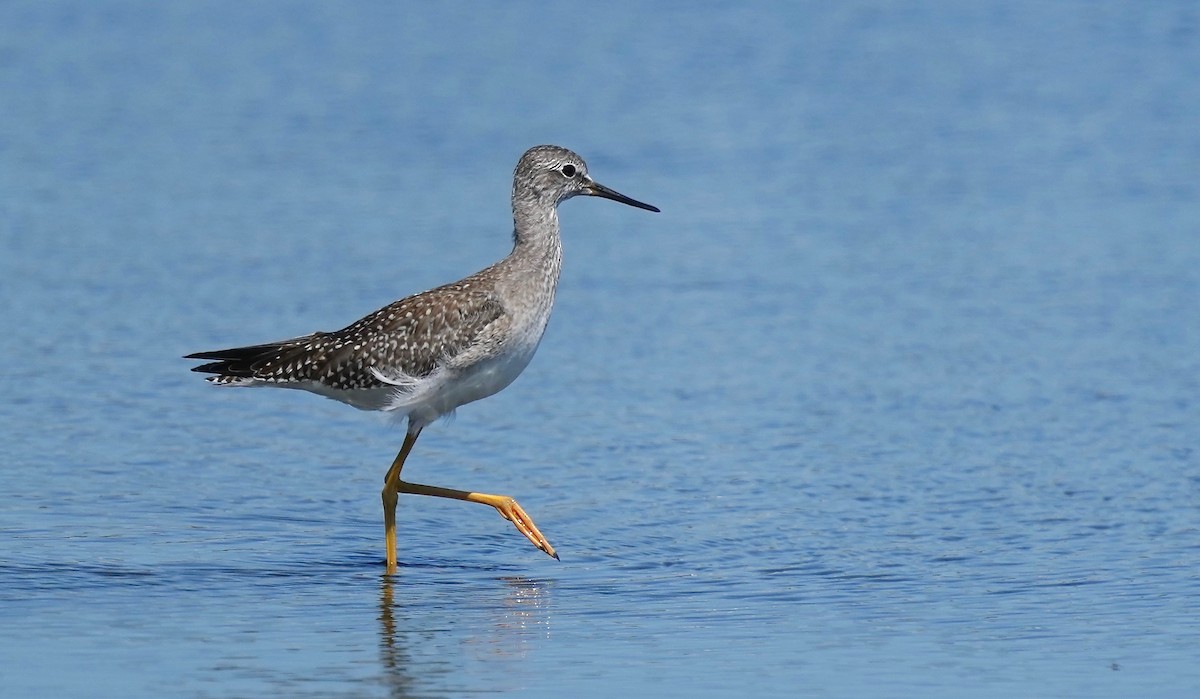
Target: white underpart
x=425 y=399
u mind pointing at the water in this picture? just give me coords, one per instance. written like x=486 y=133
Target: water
x=897 y=397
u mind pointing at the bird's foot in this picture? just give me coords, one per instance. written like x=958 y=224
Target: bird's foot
x=510 y=510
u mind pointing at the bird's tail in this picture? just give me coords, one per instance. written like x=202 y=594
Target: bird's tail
x=238 y=364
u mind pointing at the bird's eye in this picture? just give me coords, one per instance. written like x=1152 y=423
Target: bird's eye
x=568 y=170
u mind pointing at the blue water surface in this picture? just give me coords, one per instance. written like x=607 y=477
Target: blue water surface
x=898 y=396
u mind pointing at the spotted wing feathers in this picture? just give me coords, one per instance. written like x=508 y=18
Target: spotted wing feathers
x=409 y=338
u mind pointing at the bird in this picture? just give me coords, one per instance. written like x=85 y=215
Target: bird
x=423 y=356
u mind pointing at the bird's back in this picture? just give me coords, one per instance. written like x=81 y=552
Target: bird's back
x=393 y=350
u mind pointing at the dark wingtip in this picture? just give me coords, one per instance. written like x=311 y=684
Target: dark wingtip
x=235 y=361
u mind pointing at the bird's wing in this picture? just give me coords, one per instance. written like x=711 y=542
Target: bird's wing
x=408 y=338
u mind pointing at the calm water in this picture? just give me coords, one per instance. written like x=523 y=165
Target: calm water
x=897 y=397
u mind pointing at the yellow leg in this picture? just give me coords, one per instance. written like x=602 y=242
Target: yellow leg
x=391 y=493
x=506 y=506
x=393 y=486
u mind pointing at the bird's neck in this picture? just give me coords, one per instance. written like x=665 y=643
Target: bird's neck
x=533 y=223
x=537 y=247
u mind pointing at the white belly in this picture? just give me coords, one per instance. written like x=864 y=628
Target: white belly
x=480 y=380
x=427 y=398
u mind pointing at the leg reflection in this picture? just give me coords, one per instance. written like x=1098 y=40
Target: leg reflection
x=495 y=619
x=394 y=656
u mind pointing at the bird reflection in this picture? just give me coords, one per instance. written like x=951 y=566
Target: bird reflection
x=499 y=622
x=394 y=656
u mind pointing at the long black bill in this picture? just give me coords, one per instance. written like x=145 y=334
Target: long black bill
x=595 y=189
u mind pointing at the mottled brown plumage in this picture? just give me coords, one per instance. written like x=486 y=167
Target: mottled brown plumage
x=410 y=337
